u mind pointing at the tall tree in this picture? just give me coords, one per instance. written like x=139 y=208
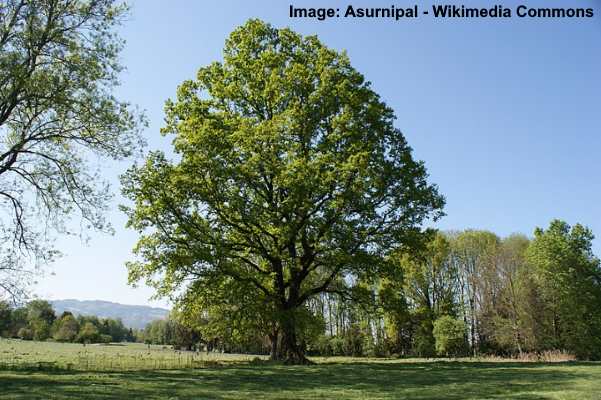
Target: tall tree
x=430 y=278
x=508 y=325
x=290 y=175
x=59 y=61
x=474 y=255
x=5 y=318
x=40 y=317
x=18 y=321
x=66 y=328
x=569 y=278
x=88 y=333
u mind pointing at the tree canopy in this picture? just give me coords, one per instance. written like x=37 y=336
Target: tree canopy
x=290 y=176
x=568 y=279
x=59 y=62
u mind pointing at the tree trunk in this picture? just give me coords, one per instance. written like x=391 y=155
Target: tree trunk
x=473 y=326
x=290 y=351
x=274 y=352
x=518 y=341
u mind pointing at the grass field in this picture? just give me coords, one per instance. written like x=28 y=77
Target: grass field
x=27 y=355
x=236 y=377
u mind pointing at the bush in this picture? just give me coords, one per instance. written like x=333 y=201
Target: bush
x=353 y=342
x=449 y=334
x=423 y=344
x=423 y=340
x=40 y=330
x=322 y=346
x=105 y=338
x=25 y=334
x=374 y=346
x=337 y=345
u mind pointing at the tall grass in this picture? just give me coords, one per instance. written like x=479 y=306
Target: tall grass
x=548 y=356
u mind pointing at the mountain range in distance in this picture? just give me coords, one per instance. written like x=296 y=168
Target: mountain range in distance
x=132 y=316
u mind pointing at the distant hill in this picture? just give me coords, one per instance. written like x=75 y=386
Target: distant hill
x=132 y=316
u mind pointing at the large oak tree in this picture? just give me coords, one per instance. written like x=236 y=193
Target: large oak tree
x=290 y=176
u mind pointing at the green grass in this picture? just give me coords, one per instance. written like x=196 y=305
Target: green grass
x=235 y=378
x=28 y=355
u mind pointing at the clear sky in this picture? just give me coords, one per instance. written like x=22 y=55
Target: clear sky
x=506 y=114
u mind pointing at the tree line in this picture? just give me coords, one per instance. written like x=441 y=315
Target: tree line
x=37 y=320
x=471 y=293
x=463 y=293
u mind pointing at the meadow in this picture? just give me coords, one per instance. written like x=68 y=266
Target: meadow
x=36 y=370
x=52 y=356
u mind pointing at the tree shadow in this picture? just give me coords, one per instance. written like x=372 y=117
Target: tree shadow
x=384 y=380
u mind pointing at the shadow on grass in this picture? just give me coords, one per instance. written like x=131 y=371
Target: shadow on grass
x=420 y=380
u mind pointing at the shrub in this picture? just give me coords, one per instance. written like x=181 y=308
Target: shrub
x=423 y=344
x=337 y=345
x=105 y=338
x=423 y=341
x=449 y=334
x=40 y=330
x=25 y=334
x=353 y=342
x=322 y=346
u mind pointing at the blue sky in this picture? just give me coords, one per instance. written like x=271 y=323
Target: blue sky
x=506 y=114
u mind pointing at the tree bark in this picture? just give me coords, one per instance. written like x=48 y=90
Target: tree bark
x=274 y=352
x=290 y=351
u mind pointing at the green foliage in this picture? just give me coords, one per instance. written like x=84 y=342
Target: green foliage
x=42 y=330
x=88 y=333
x=229 y=314
x=352 y=343
x=516 y=307
x=66 y=329
x=398 y=319
x=158 y=332
x=5 y=317
x=423 y=340
x=354 y=340
x=322 y=346
x=102 y=338
x=40 y=310
x=18 y=320
x=25 y=334
x=59 y=63
x=37 y=320
x=171 y=332
x=508 y=325
x=290 y=175
x=40 y=317
x=450 y=334
x=568 y=277
x=429 y=276
x=113 y=328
